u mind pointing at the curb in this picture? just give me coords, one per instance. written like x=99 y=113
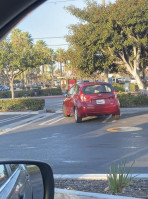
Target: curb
x=68 y=194
x=72 y=194
x=50 y=97
x=137 y=109
x=23 y=112
x=93 y=176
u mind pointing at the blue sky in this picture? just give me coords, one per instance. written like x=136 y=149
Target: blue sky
x=51 y=20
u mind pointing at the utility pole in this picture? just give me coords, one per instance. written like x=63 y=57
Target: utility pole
x=103 y=3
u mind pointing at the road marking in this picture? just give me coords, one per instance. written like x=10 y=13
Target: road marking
x=59 y=111
x=72 y=161
x=107 y=119
x=44 y=123
x=56 y=121
x=12 y=118
x=131 y=147
x=3 y=131
x=124 y=129
x=30 y=147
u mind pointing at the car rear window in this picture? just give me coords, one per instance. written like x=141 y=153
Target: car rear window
x=94 y=89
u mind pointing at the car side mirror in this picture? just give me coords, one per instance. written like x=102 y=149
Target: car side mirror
x=29 y=179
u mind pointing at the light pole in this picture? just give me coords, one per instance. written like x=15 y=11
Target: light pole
x=103 y=3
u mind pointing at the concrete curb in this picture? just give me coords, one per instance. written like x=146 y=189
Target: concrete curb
x=137 y=109
x=72 y=194
x=68 y=194
x=23 y=112
x=92 y=176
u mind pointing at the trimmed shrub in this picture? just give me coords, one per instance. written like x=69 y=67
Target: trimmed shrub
x=134 y=87
x=128 y=100
x=121 y=87
x=5 y=94
x=31 y=93
x=50 y=91
x=33 y=104
x=118 y=87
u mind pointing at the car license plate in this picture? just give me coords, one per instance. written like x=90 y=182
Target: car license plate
x=100 y=101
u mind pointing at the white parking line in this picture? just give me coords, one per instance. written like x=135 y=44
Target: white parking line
x=12 y=118
x=45 y=123
x=56 y=121
x=32 y=120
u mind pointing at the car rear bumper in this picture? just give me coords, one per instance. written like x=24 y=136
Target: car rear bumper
x=99 y=110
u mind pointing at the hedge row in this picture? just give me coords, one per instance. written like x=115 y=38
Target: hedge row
x=22 y=104
x=128 y=100
x=121 y=87
x=31 y=93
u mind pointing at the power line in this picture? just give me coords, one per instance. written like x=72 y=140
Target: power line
x=49 y=38
x=59 y=45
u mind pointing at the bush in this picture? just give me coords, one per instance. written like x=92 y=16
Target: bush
x=50 y=91
x=5 y=94
x=133 y=87
x=31 y=93
x=22 y=104
x=121 y=87
x=128 y=100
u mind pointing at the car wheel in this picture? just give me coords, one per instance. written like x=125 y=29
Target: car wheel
x=64 y=112
x=115 y=117
x=77 y=118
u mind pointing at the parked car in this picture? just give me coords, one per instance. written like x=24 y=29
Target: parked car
x=91 y=99
x=15 y=179
x=4 y=88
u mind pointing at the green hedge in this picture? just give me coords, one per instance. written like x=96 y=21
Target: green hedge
x=121 y=87
x=31 y=93
x=52 y=91
x=128 y=100
x=33 y=104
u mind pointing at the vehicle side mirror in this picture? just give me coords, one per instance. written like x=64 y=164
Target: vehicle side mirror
x=29 y=179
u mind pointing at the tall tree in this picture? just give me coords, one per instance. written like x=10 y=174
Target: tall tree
x=116 y=33
x=15 y=55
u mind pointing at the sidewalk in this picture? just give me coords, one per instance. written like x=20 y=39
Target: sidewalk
x=50 y=97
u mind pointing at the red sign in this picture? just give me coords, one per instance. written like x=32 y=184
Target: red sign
x=71 y=82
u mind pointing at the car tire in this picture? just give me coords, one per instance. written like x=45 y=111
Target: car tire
x=77 y=118
x=115 y=117
x=64 y=112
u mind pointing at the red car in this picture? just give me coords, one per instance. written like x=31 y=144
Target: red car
x=91 y=99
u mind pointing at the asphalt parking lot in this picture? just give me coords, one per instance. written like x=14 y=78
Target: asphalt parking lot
x=10 y=119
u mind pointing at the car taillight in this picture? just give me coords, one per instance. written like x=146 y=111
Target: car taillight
x=84 y=98
x=115 y=93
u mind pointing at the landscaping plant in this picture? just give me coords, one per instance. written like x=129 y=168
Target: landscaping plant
x=118 y=177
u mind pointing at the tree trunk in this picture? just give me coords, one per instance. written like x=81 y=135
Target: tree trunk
x=134 y=68
x=106 y=75
x=139 y=81
x=12 y=89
